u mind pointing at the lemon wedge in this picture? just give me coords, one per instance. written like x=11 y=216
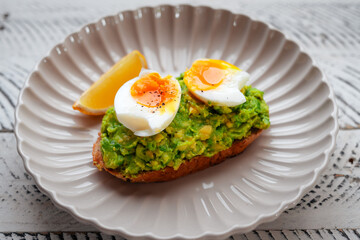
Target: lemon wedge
x=100 y=96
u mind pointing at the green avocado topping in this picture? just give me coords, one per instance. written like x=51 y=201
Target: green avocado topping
x=197 y=129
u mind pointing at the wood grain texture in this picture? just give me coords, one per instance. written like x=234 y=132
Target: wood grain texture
x=337 y=190
x=346 y=234
x=329 y=32
x=333 y=203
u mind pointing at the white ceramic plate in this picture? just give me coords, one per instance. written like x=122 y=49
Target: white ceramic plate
x=55 y=142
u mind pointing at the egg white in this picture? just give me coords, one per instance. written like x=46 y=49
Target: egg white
x=144 y=121
x=228 y=92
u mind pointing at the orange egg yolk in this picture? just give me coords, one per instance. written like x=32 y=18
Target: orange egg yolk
x=153 y=91
x=206 y=74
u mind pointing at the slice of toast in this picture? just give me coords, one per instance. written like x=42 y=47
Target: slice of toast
x=195 y=164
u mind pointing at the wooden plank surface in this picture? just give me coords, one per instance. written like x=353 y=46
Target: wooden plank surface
x=345 y=234
x=333 y=203
x=328 y=30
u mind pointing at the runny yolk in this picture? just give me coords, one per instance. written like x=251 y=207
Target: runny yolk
x=207 y=74
x=153 y=91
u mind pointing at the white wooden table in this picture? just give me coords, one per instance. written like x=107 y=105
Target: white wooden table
x=328 y=30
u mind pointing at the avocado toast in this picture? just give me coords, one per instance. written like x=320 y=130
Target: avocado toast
x=201 y=135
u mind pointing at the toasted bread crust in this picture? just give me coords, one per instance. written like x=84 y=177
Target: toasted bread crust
x=196 y=164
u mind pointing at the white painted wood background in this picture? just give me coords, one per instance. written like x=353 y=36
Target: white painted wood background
x=328 y=30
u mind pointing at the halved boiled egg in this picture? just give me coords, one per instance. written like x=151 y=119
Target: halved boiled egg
x=216 y=81
x=148 y=103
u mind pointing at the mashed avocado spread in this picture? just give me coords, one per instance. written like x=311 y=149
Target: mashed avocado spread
x=197 y=129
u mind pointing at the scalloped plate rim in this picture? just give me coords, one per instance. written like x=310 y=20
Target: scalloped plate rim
x=262 y=218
